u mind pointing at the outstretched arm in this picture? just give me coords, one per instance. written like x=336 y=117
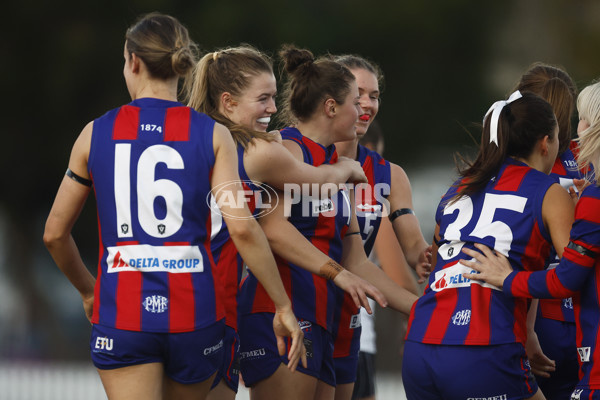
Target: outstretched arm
x=287 y=242
x=252 y=245
x=356 y=261
x=280 y=164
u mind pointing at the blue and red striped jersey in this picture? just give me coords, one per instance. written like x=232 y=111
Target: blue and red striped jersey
x=150 y=161
x=368 y=200
x=577 y=275
x=565 y=169
x=324 y=223
x=229 y=263
x=507 y=216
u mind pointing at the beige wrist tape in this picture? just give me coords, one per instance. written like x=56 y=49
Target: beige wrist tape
x=330 y=270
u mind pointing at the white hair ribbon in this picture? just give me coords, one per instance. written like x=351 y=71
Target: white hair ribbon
x=496 y=109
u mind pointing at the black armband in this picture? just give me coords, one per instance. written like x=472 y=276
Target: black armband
x=582 y=250
x=78 y=179
x=400 y=212
x=352 y=233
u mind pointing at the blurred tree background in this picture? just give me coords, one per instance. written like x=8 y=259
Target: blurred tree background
x=445 y=62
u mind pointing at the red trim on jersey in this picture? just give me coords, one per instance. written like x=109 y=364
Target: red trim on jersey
x=325 y=229
x=317 y=152
x=479 y=326
x=128 y=300
x=182 y=314
x=126 y=123
x=520 y=319
x=227 y=272
x=219 y=289
x=526 y=376
x=587 y=209
x=558 y=168
x=128 y=242
x=511 y=178
x=177 y=124
x=176 y=243
x=442 y=314
x=536 y=252
x=343 y=340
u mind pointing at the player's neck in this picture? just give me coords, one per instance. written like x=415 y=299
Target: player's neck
x=348 y=148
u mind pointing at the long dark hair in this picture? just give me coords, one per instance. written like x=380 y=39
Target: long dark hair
x=521 y=124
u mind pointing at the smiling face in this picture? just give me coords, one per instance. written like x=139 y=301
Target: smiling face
x=254 y=107
x=368 y=89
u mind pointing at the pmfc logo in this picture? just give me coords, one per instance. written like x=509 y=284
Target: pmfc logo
x=262 y=201
x=155 y=304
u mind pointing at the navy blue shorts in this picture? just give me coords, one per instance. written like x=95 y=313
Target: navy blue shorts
x=259 y=357
x=557 y=340
x=188 y=357
x=461 y=372
x=346 y=369
x=230 y=370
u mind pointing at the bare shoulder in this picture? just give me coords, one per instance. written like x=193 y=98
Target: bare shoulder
x=399 y=176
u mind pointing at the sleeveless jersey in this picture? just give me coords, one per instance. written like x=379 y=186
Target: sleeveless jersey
x=507 y=216
x=369 y=200
x=150 y=162
x=324 y=223
x=229 y=263
x=565 y=169
x=577 y=275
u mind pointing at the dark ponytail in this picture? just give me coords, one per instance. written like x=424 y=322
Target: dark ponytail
x=521 y=124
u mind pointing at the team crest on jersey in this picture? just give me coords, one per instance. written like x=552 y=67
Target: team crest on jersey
x=161 y=229
x=576 y=395
x=584 y=353
x=452 y=277
x=124 y=228
x=155 y=304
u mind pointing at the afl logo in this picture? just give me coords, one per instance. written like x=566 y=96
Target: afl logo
x=227 y=195
x=155 y=304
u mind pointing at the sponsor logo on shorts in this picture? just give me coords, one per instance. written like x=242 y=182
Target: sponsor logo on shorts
x=212 y=349
x=452 y=277
x=252 y=354
x=568 y=303
x=462 y=317
x=306 y=326
x=576 y=395
x=584 y=353
x=103 y=343
x=155 y=304
x=355 y=321
x=500 y=397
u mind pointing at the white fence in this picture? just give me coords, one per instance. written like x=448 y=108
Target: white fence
x=76 y=381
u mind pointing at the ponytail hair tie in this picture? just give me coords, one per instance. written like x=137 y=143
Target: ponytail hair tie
x=496 y=109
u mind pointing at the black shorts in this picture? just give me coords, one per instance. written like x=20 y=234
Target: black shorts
x=365 y=376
